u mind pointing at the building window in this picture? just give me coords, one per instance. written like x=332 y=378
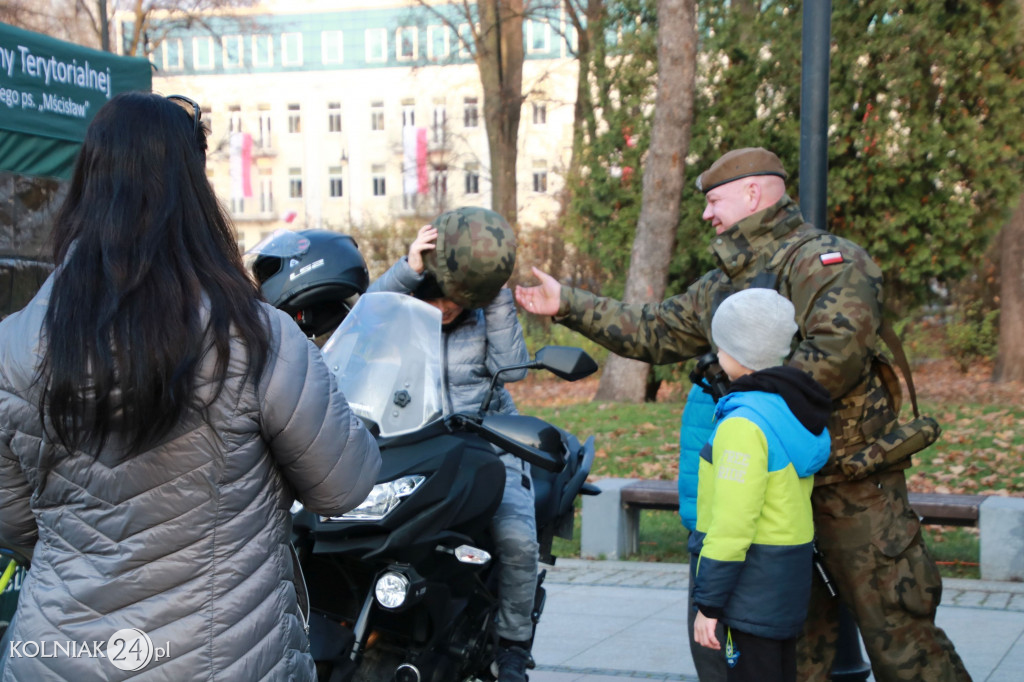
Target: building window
x=538 y=36
x=408 y=113
x=237 y=206
x=540 y=176
x=332 y=47
x=295 y=183
x=440 y=184
x=437 y=43
x=173 y=54
x=334 y=117
x=266 y=181
x=379 y=189
x=540 y=113
x=231 y=51
x=406 y=43
x=294 y=119
x=470 y=113
x=262 y=50
x=234 y=118
x=376 y=44
x=336 y=188
x=472 y=178
x=264 y=139
x=377 y=116
x=202 y=52
x=438 y=125
x=291 y=49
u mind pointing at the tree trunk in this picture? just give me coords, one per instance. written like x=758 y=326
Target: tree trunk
x=1010 y=358
x=589 y=27
x=499 y=58
x=625 y=380
x=101 y=11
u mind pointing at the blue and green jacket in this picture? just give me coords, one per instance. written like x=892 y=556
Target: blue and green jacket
x=754 y=530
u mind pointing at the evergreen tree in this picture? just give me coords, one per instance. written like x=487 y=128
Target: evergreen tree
x=605 y=190
x=926 y=139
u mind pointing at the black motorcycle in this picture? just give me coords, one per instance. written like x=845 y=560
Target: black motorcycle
x=404 y=587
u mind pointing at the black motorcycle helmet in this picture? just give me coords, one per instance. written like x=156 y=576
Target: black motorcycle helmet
x=313 y=275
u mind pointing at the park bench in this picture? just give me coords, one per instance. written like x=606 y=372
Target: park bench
x=939 y=509
x=610 y=521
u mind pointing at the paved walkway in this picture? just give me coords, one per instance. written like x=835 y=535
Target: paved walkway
x=615 y=621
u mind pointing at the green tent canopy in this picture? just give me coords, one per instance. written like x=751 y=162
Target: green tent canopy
x=49 y=92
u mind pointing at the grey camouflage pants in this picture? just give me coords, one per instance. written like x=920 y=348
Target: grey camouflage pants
x=515 y=534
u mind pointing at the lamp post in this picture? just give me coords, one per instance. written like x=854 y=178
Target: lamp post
x=849 y=665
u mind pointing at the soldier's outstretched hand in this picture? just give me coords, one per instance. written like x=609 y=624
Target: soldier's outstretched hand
x=542 y=299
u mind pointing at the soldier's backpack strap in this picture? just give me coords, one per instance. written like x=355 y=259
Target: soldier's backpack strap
x=888 y=334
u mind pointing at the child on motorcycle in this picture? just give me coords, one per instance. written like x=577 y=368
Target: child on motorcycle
x=481 y=333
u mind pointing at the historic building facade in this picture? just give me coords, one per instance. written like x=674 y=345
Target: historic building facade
x=353 y=115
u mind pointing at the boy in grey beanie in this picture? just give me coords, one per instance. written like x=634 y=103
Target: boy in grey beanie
x=755 y=327
x=752 y=544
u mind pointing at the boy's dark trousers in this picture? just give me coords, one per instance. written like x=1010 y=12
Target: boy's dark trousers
x=710 y=663
x=762 y=659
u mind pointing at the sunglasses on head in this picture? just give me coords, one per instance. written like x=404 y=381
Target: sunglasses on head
x=191 y=108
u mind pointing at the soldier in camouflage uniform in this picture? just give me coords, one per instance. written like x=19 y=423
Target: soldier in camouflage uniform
x=868 y=533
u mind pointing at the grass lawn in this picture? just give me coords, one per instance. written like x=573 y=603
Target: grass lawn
x=981 y=451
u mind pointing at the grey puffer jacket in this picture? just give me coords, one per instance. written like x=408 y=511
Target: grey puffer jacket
x=482 y=341
x=187 y=542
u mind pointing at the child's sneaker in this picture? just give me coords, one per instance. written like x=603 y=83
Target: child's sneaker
x=512 y=663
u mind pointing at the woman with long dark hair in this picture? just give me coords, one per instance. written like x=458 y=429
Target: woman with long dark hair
x=157 y=420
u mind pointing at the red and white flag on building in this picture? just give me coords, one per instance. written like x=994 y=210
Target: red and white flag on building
x=241 y=165
x=414 y=162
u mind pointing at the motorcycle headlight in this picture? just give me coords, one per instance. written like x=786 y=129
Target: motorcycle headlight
x=391 y=590
x=383 y=499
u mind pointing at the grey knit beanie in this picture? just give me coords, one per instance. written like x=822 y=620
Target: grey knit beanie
x=755 y=327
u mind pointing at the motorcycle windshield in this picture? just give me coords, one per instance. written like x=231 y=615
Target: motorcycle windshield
x=386 y=356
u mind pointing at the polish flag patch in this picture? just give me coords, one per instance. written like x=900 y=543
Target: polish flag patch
x=831 y=258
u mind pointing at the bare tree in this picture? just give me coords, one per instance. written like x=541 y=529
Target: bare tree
x=1010 y=357
x=585 y=17
x=625 y=380
x=496 y=34
x=499 y=56
x=55 y=19
x=89 y=22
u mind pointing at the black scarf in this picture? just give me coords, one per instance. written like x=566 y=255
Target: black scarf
x=808 y=400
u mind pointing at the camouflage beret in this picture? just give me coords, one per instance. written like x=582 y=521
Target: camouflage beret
x=475 y=255
x=740 y=163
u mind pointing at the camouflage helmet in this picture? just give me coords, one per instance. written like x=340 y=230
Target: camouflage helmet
x=475 y=255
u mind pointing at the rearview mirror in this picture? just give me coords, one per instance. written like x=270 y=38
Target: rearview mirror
x=566 y=362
